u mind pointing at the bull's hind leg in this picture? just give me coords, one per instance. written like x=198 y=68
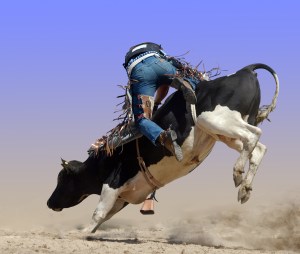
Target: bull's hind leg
x=254 y=162
x=225 y=122
x=250 y=136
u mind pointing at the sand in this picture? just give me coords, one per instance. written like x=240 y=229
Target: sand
x=112 y=241
x=263 y=229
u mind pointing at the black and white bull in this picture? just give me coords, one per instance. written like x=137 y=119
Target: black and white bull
x=227 y=110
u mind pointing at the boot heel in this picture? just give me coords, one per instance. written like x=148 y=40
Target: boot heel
x=168 y=140
x=186 y=89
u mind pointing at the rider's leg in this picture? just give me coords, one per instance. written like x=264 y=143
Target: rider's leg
x=142 y=113
x=145 y=82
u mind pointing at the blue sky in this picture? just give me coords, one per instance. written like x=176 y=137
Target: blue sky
x=61 y=63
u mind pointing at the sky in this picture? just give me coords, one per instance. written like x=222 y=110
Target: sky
x=61 y=65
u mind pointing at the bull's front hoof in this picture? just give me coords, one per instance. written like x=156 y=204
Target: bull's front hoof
x=88 y=229
x=244 y=193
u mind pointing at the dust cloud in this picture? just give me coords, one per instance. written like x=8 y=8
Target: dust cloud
x=268 y=227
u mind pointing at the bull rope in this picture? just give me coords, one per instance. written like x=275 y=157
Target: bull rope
x=145 y=171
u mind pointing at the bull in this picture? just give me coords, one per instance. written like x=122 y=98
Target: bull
x=227 y=110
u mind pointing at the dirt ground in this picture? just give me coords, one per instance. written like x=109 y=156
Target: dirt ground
x=112 y=241
x=267 y=229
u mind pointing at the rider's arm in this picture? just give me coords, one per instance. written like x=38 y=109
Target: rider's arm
x=161 y=93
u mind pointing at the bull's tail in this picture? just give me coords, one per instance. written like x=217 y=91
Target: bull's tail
x=265 y=110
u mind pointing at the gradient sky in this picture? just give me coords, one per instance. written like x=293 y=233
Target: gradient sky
x=61 y=64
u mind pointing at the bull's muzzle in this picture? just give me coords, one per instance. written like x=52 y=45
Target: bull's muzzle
x=53 y=208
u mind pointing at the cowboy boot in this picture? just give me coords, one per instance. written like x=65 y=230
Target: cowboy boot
x=185 y=88
x=168 y=140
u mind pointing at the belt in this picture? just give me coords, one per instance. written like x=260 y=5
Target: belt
x=138 y=60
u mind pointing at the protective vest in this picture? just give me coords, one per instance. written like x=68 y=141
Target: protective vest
x=141 y=48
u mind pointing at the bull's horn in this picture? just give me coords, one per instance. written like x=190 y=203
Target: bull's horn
x=64 y=163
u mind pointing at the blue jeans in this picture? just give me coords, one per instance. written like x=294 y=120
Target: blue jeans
x=147 y=76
